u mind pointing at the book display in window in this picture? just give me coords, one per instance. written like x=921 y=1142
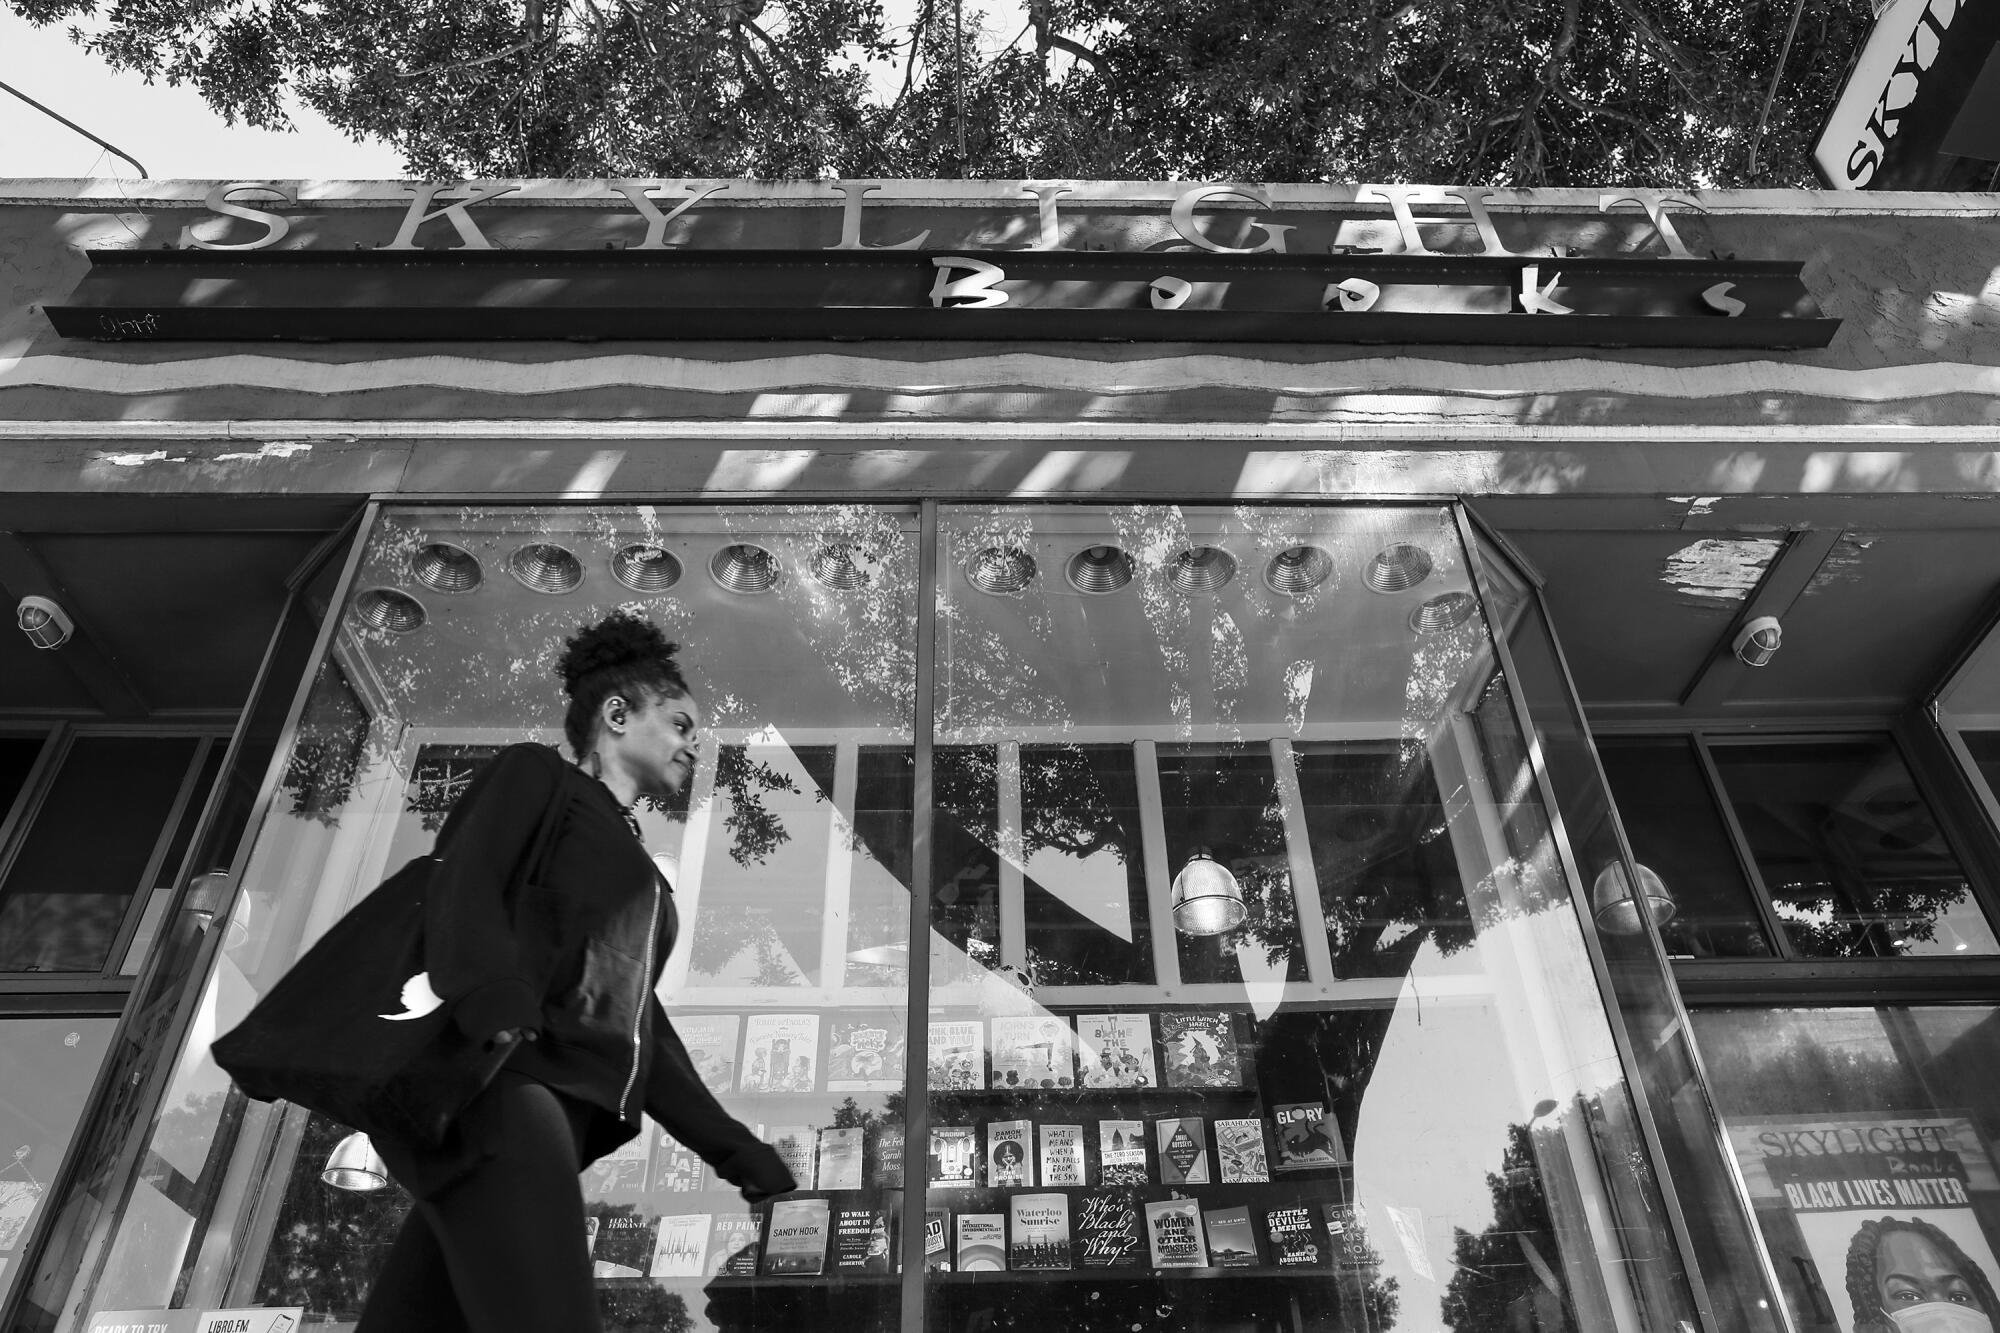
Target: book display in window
x=840 y=1164
x=780 y=1053
x=620 y=1173
x=1033 y=1052
x=1108 y=1230
x=937 y=1240
x=954 y=1155
x=1307 y=1140
x=1010 y=1162
x=957 y=1055
x=711 y=1041
x=1121 y=1152
x=735 y=1243
x=796 y=1244
x=623 y=1246
x=1115 y=1051
x=1173 y=1228
x=681 y=1246
x=1239 y=1151
x=1038 y=1232
x=1183 y=1146
x=1199 y=1047
x=676 y=1169
x=864 y=1053
x=982 y=1242
x=1062 y=1155
x=1294 y=1237
x=861 y=1239
x=1231 y=1242
x=798 y=1146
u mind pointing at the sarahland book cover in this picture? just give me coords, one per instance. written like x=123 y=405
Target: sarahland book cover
x=1108 y=1231
x=797 y=1241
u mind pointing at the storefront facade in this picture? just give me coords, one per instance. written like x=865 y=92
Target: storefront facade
x=1211 y=624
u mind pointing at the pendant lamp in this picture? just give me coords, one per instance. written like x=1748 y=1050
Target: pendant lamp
x=1207 y=898
x=355 y=1165
x=1612 y=903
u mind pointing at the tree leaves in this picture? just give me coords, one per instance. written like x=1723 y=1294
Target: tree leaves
x=1497 y=92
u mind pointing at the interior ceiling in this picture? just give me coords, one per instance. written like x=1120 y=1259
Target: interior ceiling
x=169 y=623
x=1872 y=618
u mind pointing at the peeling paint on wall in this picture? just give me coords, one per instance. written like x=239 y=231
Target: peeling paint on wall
x=271 y=449
x=1719 y=569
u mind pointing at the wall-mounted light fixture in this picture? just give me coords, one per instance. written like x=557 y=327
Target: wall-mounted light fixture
x=1757 y=642
x=1207 y=898
x=1297 y=570
x=46 y=624
x=744 y=568
x=646 y=567
x=1002 y=571
x=355 y=1165
x=1613 y=905
x=1099 y=569
x=546 y=567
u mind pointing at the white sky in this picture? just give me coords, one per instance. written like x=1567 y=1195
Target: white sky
x=171 y=130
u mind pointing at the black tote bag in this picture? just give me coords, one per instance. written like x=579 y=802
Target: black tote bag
x=354 y=1030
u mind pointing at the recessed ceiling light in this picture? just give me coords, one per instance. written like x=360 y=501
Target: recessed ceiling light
x=1201 y=569
x=1398 y=568
x=1000 y=570
x=1447 y=610
x=1297 y=570
x=388 y=609
x=844 y=565
x=745 y=568
x=442 y=567
x=646 y=567
x=1099 y=569
x=546 y=567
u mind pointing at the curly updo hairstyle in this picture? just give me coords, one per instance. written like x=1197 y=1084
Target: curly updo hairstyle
x=1866 y=1298
x=622 y=654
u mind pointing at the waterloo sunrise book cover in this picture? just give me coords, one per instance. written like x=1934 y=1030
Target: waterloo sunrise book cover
x=1038 y=1232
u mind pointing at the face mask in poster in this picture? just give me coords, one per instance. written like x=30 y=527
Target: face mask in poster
x=1939 y=1317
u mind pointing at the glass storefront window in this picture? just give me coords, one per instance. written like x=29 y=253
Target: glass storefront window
x=1854 y=862
x=1865 y=1138
x=1676 y=830
x=1255 y=992
x=51 y=1062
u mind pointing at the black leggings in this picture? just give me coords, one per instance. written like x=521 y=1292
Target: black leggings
x=501 y=1248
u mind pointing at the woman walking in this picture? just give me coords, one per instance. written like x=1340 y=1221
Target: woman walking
x=562 y=978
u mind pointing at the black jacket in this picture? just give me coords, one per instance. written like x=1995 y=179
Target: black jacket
x=574 y=959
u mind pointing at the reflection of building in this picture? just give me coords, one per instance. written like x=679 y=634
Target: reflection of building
x=1002 y=628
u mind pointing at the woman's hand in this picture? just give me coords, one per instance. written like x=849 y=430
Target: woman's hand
x=761 y=1174
x=507 y=1037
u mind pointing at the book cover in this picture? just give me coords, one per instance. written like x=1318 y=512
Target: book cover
x=954 y=1155
x=840 y=1158
x=1307 y=1140
x=620 y=1173
x=1033 y=1052
x=1173 y=1228
x=796 y=1244
x=1346 y=1234
x=1107 y=1230
x=1062 y=1155
x=798 y=1145
x=1010 y=1162
x=982 y=1242
x=861 y=1240
x=1294 y=1239
x=780 y=1053
x=711 y=1041
x=1200 y=1050
x=734 y=1242
x=1239 y=1150
x=957 y=1056
x=682 y=1245
x=1121 y=1152
x=937 y=1240
x=676 y=1169
x=1038 y=1232
x=1232 y=1243
x=864 y=1052
x=1115 y=1051
x=886 y=1161
x=1183 y=1144
x=623 y=1246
